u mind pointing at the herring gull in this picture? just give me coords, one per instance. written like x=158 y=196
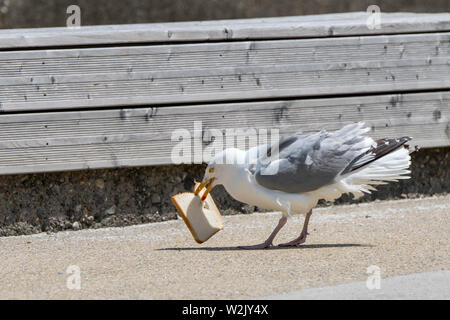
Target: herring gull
x=293 y=174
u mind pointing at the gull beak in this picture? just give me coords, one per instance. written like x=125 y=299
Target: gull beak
x=202 y=185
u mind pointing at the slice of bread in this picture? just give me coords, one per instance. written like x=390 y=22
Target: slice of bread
x=202 y=218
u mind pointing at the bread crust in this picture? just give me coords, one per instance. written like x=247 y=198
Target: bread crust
x=183 y=215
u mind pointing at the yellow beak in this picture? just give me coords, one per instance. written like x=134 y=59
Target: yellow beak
x=203 y=185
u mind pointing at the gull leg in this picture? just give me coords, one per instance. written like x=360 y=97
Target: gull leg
x=268 y=242
x=302 y=237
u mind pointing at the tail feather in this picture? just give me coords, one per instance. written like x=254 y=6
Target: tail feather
x=390 y=167
x=381 y=148
x=380 y=162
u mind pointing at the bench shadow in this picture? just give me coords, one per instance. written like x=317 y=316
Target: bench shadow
x=305 y=246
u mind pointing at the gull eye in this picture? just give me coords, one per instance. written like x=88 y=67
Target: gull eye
x=211 y=170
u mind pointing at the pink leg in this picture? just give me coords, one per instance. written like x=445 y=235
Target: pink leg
x=302 y=237
x=268 y=242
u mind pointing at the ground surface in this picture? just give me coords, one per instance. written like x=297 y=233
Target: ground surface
x=161 y=260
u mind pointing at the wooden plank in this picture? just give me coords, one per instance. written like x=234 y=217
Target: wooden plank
x=326 y=25
x=188 y=73
x=58 y=141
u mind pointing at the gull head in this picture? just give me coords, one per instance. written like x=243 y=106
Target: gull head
x=219 y=169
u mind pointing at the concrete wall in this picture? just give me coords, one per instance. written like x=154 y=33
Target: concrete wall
x=117 y=197
x=49 y=13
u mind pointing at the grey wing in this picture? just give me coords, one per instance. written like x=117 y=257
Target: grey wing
x=304 y=163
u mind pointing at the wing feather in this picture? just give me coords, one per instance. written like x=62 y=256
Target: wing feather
x=307 y=162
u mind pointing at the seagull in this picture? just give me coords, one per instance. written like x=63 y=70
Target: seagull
x=294 y=173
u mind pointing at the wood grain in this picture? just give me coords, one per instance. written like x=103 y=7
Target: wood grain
x=326 y=25
x=57 y=141
x=112 y=96
x=219 y=72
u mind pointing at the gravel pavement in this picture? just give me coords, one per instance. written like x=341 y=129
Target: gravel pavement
x=162 y=261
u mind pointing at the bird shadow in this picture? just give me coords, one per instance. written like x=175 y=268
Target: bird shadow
x=304 y=246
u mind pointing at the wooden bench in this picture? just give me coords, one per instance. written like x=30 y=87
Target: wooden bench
x=111 y=96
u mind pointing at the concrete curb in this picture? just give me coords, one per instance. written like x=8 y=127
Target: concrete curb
x=424 y=286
